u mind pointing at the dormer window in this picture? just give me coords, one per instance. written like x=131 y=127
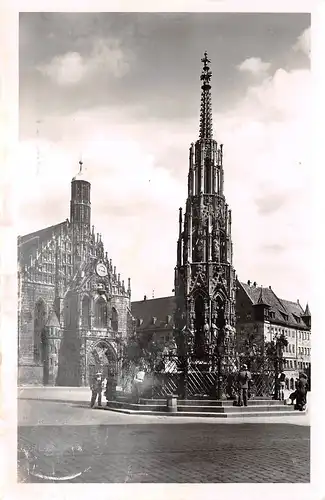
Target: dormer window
x=154 y=320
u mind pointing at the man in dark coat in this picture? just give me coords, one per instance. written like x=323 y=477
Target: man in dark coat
x=96 y=389
x=244 y=377
x=301 y=391
x=110 y=392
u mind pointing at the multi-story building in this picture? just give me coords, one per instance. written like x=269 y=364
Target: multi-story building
x=154 y=318
x=261 y=316
x=73 y=307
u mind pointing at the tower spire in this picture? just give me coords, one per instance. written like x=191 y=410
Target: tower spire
x=206 y=107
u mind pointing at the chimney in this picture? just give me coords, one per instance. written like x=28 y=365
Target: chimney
x=254 y=284
x=270 y=287
x=249 y=282
x=144 y=298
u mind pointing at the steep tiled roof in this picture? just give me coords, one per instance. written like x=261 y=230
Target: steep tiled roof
x=43 y=234
x=307 y=311
x=154 y=308
x=28 y=244
x=285 y=311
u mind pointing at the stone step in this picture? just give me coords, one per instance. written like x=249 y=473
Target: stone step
x=211 y=402
x=201 y=409
x=242 y=414
x=140 y=407
x=235 y=409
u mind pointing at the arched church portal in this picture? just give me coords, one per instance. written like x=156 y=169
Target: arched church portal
x=102 y=357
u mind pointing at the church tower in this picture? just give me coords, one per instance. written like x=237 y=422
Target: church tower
x=204 y=274
x=80 y=212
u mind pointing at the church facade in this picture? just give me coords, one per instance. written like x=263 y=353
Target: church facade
x=73 y=307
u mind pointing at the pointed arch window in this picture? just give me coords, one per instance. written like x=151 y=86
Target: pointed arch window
x=101 y=313
x=114 y=320
x=39 y=329
x=85 y=312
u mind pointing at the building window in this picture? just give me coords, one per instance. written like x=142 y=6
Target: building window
x=114 y=320
x=293 y=348
x=293 y=334
x=101 y=313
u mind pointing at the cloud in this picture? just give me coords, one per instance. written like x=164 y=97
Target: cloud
x=271 y=203
x=68 y=69
x=303 y=43
x=276 y=248
x=138 y=172
x=254 y=65
x=106 y=56
x=268 y=179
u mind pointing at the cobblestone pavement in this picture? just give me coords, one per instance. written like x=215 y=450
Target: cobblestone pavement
x=109 y=447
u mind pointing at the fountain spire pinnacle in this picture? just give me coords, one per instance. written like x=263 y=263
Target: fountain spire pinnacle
x=206 y=131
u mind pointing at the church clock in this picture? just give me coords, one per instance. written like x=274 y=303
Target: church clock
x=101 y=269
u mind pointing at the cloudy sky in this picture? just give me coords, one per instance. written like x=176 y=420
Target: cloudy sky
x=123 y=91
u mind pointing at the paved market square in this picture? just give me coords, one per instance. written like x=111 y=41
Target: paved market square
x=60 y=439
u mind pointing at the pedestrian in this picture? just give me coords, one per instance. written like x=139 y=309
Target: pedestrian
x=301 y=398
x=96 y=389
x=244 y=377
x=282 y=383
x=110 y=390
x=293 y=395
x=138 y=384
